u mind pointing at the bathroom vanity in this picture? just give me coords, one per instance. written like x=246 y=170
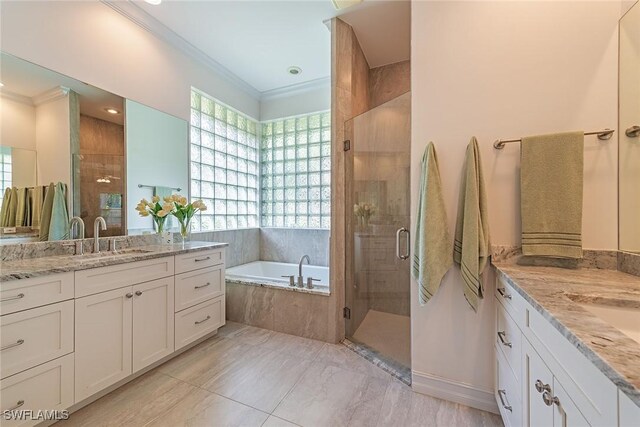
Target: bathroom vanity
x=567 y=346
x=75 y=327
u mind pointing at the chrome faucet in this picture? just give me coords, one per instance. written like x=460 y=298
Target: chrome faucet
x=98 y=224
x=76 y=220
x=300 y=278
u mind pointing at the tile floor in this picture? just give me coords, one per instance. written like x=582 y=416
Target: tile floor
x=246 y=376
x=388 y=333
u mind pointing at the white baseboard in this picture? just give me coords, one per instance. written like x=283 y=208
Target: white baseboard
x=454 y=391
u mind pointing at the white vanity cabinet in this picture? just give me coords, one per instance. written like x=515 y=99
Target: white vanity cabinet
x=67 y=337
x=542 y=379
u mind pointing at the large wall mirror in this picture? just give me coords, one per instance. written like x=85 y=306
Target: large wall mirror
x=629 y=117
x=88 y=146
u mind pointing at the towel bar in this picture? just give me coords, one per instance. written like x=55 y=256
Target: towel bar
x=602 y=135
x=154 y=186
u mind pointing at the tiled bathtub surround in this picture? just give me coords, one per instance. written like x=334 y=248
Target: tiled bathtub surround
x=294 y=313
x=244 y=244
x=289 y=244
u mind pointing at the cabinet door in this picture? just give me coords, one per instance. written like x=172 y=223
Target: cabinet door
x=103 y=340
x=565 y=412
x=538 y=380
x=152 y=322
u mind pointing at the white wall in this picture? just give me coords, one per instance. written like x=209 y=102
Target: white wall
x=157 y=147
x=91 y=42
x=312 y=101
x=17 y=124
x=53 y=141
x=504 y=70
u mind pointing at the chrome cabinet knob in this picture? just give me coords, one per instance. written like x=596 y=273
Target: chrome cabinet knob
x=138 y=293
x=540 y=386
x=129 y=295
x=549 y=400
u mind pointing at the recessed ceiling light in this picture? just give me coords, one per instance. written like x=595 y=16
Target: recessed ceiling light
x=343 y=4
x=294 y=71
x=112 y=111
x=154 y=2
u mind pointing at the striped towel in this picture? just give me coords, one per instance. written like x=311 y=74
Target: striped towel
x=471 y=244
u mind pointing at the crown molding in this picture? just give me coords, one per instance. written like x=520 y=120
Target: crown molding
x=16 y=97
x=296 y=89
x=50 y=95
x=138 y=16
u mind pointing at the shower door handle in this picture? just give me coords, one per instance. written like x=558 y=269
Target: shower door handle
x=406 y=253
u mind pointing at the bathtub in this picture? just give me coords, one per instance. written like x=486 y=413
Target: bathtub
x=269 y=274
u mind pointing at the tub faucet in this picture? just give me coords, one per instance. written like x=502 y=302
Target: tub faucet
x=300 y=279
x=98 y=224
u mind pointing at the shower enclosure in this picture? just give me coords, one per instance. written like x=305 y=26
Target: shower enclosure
x=377 y=167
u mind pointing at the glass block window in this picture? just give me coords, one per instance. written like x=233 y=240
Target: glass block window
x=224 y=165
x=295 y=172
x=5 y=170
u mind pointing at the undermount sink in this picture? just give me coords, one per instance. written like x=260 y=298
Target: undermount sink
x=122 y=252
x=625 y=317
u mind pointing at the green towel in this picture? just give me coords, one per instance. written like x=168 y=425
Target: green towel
x=551 y=179
x=29 y=207
x=432 y=252
x=163 y=192
x=45 y=218
x=36 y=211
x=471 y=244
x=13 y=207
x=4 y=211
x=59 y=226
x=21 y=206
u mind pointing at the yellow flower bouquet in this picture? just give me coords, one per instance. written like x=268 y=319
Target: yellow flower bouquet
x=184 y=211
x=157 y=211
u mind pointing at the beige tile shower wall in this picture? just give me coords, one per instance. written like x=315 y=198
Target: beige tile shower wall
x=388 y=82
x=244 y=245
x=349 y=97
x=501 y=70
x=289 y=244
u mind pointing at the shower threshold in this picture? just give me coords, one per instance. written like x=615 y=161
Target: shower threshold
x=395 y=369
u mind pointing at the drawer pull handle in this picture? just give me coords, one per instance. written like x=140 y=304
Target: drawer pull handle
x=549 y=400
x=15 y=344
x=502 y=335
x=18 y=404
x=503 y=292
x=138 y=293
x=540 y=386
x=202 y=259
x=19 y=296
x=203 y=320
x=201 y=286
x=502 y=400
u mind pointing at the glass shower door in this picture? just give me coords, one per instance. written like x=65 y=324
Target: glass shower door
x=377 y=168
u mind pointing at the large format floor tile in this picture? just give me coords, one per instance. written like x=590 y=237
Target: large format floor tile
x=247 y=376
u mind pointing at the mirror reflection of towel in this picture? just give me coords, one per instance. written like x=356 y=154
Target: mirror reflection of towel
x=59 y=226
x=45 y=219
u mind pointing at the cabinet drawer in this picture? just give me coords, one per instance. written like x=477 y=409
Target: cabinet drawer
x=198 y=321
x=593 y=393
x=48 y=386
x=511 y=300
x=35 y=336
x=508 y=393
x=198 y=286
x=508 y=340
x=95 y=280
x=197 y=260
x=17 y=295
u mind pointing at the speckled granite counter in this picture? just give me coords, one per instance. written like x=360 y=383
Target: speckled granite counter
x=557 y=293
x=33 y=267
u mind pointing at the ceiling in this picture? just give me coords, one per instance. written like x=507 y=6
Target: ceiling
x=29 y=82
x=256 y=41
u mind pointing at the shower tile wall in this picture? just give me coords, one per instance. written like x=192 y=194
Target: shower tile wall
x=244 y=245
x=289 y=244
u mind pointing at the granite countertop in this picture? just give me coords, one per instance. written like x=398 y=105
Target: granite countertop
x=557 y=293
x=34 y=267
